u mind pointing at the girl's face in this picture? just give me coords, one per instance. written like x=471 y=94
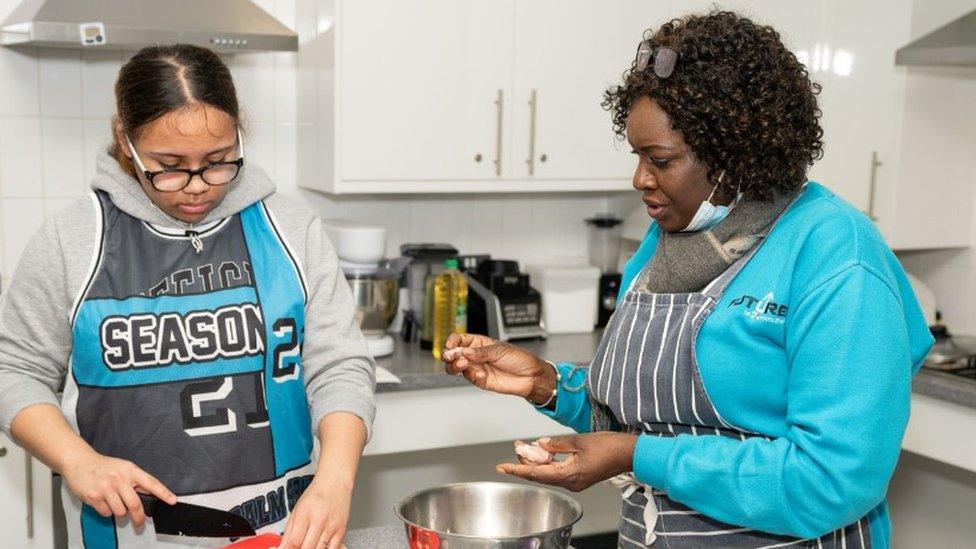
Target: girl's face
x=671 y=179
x=192 y=137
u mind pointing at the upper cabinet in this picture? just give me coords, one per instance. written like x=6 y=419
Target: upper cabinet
x=423 y=88
x=449 y=96
x=567 y=53
x=862 y=102
x=897 y=139
x=934 y=198
x=474 y=96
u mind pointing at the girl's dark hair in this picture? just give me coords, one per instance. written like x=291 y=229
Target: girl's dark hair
x=161 y=79
x=739 y=98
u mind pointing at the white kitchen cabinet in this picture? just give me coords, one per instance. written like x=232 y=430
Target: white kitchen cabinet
x=567 y=53
x=419 y=85
x=897 y=138
x=433 y=96
x=936 y=166
x=17 y=507
x=862 y=101
x=934 y=197
x=933 y=431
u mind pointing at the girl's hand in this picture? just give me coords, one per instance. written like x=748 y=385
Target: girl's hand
x=109 y=486
x=320 y=516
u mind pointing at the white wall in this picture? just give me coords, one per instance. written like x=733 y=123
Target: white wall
x=55 y=108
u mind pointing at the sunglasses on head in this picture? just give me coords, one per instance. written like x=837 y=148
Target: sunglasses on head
x=663 y=58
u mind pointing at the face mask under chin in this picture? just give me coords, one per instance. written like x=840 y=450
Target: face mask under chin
x=709 y=215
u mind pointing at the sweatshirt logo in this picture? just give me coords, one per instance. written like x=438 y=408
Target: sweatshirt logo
x=764 y=309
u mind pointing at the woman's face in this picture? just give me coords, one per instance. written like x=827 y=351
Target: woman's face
x=672 y=181
x=186 y=138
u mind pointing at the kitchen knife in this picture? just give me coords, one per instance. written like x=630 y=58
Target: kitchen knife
x=185 y=519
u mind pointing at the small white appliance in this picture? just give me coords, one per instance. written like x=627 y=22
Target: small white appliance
x=569 y=296
x=374 y=281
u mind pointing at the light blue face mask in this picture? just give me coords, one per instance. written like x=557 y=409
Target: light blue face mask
x=708 y=215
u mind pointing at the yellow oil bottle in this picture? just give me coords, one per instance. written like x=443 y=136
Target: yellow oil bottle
x=450 y=305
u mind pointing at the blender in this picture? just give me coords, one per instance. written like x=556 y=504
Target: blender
x=374 y=281
x=604 y=251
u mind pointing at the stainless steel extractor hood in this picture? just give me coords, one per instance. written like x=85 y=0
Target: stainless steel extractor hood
x=224 y=25
x=951 y=44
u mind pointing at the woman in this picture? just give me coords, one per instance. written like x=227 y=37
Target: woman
x=752 y=387
x=171 y=307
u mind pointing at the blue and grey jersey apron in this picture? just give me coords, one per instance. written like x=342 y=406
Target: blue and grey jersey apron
x=189 y=365
x=645 y=379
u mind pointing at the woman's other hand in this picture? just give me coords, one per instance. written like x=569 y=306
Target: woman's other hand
x=499 y=367
x=109 y=485
x=591 y=458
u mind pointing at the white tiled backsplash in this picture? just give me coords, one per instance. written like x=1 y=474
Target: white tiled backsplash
x=55 y=108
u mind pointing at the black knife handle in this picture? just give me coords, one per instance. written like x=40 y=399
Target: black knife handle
x=149 y=503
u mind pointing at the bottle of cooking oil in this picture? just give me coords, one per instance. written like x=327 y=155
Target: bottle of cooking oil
x=450 y=305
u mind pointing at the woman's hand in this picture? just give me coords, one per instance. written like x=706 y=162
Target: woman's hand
x=499 y=367
x=592 y=458
x=320 y=516
x=109 y=486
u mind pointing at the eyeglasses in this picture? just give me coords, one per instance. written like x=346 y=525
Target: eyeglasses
x=170 y=180
x=664 y=59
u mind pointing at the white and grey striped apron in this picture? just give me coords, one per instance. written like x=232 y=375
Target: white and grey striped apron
x=645 y=378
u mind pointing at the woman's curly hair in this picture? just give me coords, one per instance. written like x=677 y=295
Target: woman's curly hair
x=741 y=100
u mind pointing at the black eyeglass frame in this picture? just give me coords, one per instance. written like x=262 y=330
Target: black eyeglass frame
x=150 y=176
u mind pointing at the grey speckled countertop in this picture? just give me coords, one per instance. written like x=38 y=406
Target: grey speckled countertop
x=380 y=537
x=948 y=387
x=418 y=370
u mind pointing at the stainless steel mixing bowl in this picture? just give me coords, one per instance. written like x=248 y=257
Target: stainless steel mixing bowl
x=375 y=296
x=482 y=515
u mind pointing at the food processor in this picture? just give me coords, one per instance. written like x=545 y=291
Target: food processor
x=374 y=281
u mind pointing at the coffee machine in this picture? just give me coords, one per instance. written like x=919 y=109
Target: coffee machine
x=604 y=252
x=501 y=303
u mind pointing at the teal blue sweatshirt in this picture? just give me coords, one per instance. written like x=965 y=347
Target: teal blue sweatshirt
x=825 y=371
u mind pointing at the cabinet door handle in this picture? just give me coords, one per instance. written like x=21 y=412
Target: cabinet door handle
x=500 y=112
x=29 y=469
x=875 y=164
x=533 y=103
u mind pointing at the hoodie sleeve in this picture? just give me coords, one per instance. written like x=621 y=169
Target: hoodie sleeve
x=35 y=332
x=339 y=373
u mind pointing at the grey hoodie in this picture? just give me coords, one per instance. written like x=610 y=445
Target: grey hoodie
x=56 y=274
